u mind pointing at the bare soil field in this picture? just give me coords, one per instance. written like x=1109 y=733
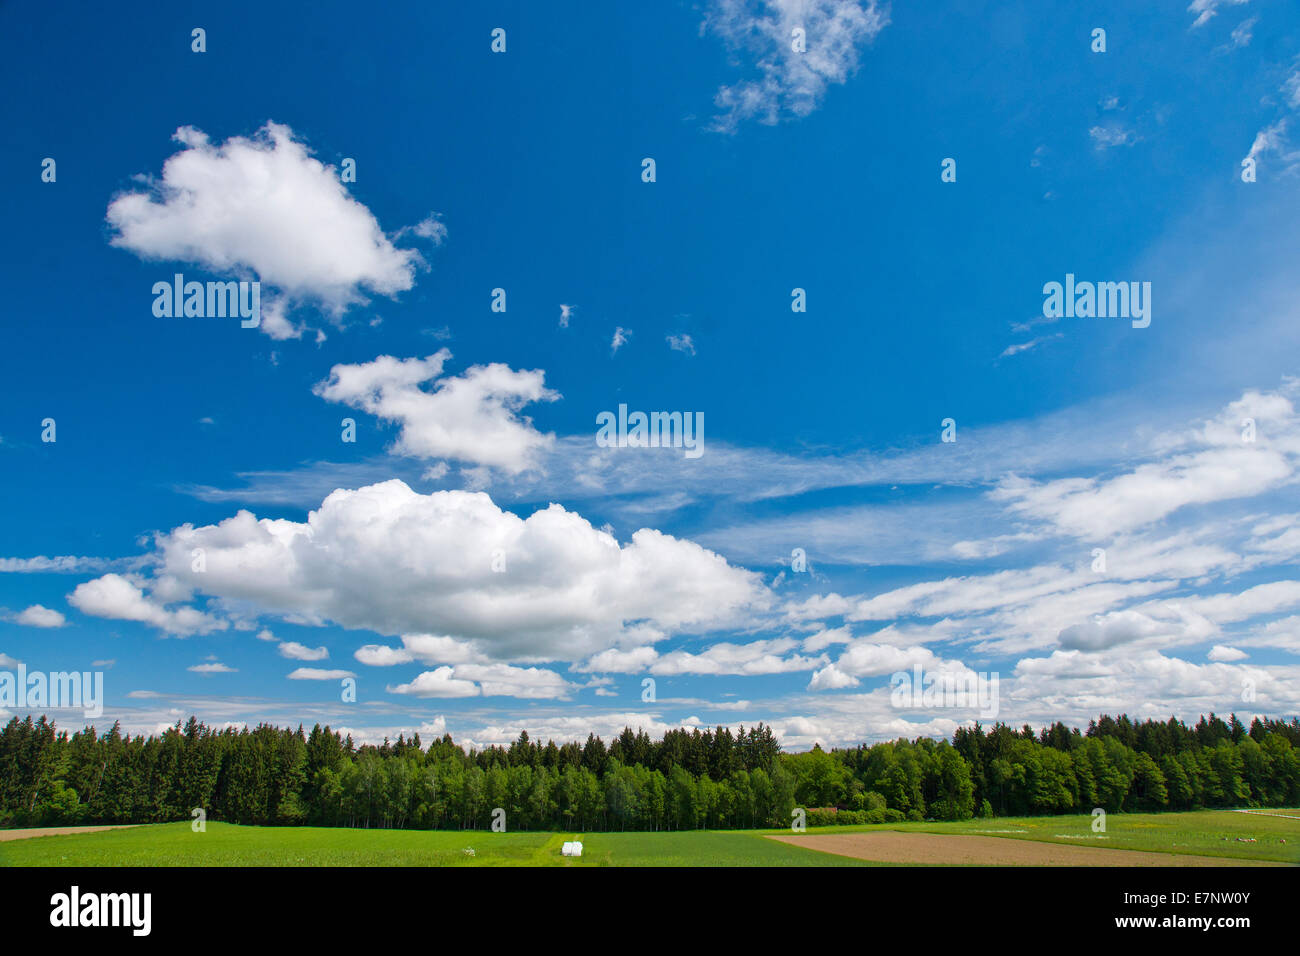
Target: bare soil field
x=57 y=831
x=952 y=849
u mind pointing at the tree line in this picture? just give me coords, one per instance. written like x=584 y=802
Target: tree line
x=686 y=780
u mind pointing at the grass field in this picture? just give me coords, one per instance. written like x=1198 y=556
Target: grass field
x=1205 y=833
x=174 y=844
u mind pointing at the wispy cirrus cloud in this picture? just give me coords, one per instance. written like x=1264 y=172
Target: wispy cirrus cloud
x=1205 y=10
x=800 y=48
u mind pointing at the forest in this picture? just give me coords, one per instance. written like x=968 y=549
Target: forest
x=689 y=779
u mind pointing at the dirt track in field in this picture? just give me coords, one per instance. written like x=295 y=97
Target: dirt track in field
x=961 y=849
x=57 y=831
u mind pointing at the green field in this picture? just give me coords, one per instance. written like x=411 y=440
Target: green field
x=1205 y=833
x=174 y=844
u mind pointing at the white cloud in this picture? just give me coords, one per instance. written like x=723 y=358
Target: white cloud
x=831 y=677
x=473 y=417
x=1241 y=34
x=621 y=336
x=390 y=560
x=789 y=82
x=756 y=657
x=1272 y=140
x=115 y=597
x=437 y=683
x=316 y=673
x=300 y=652
x=488 y=680
x=865 y=658
x=40 y=616
x=721 y=658
x=212 y=667
x=681 y=343
x=1018 y=347
x=824 y=638
x=264 y=206
x=1205 y=9
x=64 y=564
x=425 y=648
x=1291 y=87
x=430 y=227
x=1129 y=626
x=617 y=661
x=1216 y=465
x=1220 y=652
x=1106 y=137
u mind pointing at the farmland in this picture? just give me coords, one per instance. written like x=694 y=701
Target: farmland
x=1227 y=837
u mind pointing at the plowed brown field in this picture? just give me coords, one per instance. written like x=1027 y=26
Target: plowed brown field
x=959 y=849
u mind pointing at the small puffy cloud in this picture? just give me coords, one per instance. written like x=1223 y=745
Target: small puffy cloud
x=505 y=680
x=212 y=667
x=831 y=677
x=865 y=658
x=381 y=655
x=316 y=673
x=472 y=418
x=8 y=662
x=681 y=343
x=621 y=335
x=618 y=661
x=39 y=616
x=1223 y=653
x=566 y=313
x=262 y=205
x=437 y=683
x=756 y=657
x=488 y=680
x=1106 y=137
x=300 y=652
x=115 y=597
x=431 y=227
x=425 y=648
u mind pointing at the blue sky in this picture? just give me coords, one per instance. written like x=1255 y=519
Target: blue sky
x=774 y=170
